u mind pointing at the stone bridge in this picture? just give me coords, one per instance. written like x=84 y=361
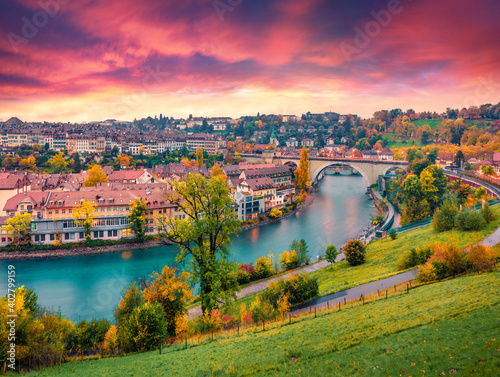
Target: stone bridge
x=369 y=169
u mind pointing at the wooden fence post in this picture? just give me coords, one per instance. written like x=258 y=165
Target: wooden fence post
x=160 y=347
x=263 y=329
x=314 y=312
x=289 y=318
x=238 y=329
x=339 y=306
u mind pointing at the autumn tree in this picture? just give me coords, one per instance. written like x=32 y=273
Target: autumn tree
x=137 y=218
x=217 y=172
x=203 y=235
x=28 y=163
x=172 y=292
x=84 y=214
x=123 y=160
x=199 y=155
x=58 y=163
x=19 y=228
x=433 y=183
x=95 y=175
x=302 y=178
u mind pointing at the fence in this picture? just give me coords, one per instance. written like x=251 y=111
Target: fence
x=327 y=308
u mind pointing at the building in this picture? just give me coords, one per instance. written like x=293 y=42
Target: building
x=212 y=144
x=248 y=206
x=307 y=143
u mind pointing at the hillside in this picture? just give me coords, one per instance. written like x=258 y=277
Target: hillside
x=442 y=327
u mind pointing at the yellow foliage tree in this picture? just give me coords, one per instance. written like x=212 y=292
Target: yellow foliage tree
x=171 y=292
x=95 y=175
x=28 y=163
x=302 y=178
x=199 y=155
x=19 y=227
x=84 y=214
x=218 y=173
x=111 y=340
x=58 y=163
x=124 y=160
x=283 y=303
x=181 y=325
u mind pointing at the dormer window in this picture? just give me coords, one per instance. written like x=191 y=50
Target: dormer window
x=60 y=202
x=51 y=202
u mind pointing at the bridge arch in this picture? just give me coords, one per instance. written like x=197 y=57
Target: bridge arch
x=314 y=175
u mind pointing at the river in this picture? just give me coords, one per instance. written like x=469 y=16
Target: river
x=90 y=286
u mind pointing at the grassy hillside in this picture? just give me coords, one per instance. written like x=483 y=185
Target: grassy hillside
x=442 y=327
x=382 y=255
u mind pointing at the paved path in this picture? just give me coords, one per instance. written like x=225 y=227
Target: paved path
x=492 y=239
x=355 y=293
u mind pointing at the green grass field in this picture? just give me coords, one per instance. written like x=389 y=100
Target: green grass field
x=449 y=326
x=410 y=142
x=382 y=255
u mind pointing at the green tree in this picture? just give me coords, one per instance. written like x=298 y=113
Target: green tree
x=144 y=328
x=84 y=215
x=131 y=299
x=77 y=163
x=331 y=253
x=488 y=170
x=95 y=175
x=19 y=228
x=487 y=213
x=302 y=250
x=302 y=178
x=204 y=234
x=444 y=217
x=354 y=252
x=137 y=218
x=459 y=158
x=58 y=163
x=433 y=183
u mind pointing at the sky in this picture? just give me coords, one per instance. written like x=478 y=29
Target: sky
x=87 y=60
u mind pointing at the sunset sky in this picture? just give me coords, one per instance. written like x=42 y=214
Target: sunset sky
x=84 y=60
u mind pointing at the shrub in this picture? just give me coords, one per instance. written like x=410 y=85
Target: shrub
x=302 y=250
x=444 y=217
x=275 y=213
x=299 y=288
x=413 y=258
x=289 y=260
x=469 y=219
x=245 y=273
x=331 y=253
x=488 y=214
x=482 y=258
x=144 y=328
x=393 y=234
x=354 y=252
x=264 y=267
x=426 y=272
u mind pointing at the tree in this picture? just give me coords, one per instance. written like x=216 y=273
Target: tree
x=58 y=163
x=275 y=213
x=488 y=170
x=84 y=214
x=144 y=328
x=302 y=178
x=302 y=250
x=459 y=158
x=95 y=176
x=172 y=292
x=137 y=218
x=19 y=228
x=204 y=234
x=199 y=155
x=487 y=213
x=217 y=172
x=331 y=253
x=77 y=163
x=354 y=252
x=433 y=183
x=28 y=163
x=124 y=160
x=444 y=217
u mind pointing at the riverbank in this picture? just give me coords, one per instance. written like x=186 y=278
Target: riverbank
x=125 y=247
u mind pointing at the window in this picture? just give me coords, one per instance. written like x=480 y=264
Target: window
x=102 y=209
x=110 y=233
x=115 y=233
x=96 y=234
x=57 y=212
x=109 y=209
x=22 y=206
x=115 y=209
x=101 y=234
x=66 y=236
x=37 y=238
x=52 y=237
x=121 y=209
x=70 y=210
x=82 y=235
x=42 y=237
x=50 y=212
x=63 y=211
